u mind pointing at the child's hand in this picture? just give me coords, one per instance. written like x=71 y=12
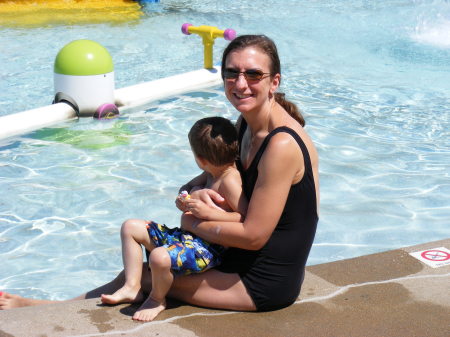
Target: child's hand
x=185 y=187
x=180 y=201
x=180 y=204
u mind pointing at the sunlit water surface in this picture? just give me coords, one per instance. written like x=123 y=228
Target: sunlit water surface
x=372 y=78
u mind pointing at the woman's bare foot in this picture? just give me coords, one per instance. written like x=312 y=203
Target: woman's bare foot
x=124 y=295
x=149 y=310
x=10 y=301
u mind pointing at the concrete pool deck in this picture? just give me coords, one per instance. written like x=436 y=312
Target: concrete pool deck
x=384 y=294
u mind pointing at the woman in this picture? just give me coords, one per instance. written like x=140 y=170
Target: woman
x=264 y=267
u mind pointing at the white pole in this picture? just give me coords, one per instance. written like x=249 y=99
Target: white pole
x=144 y=93
x=132 y=96
x=26 y=121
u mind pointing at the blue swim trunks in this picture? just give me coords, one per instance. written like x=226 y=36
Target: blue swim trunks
x=188 y=253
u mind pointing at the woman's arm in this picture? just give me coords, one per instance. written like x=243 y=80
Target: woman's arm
x=220 y=216
x=280 y=165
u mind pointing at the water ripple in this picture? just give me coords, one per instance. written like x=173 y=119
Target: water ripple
x=374 y=92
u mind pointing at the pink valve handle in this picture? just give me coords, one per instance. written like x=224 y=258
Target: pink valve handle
x=184 y=28
x=229 y=34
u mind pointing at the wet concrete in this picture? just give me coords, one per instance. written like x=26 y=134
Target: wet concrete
x=385 y=294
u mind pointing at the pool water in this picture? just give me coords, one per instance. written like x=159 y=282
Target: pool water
x=372 y=81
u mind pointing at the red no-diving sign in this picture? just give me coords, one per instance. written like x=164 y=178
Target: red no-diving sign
x=435 y=255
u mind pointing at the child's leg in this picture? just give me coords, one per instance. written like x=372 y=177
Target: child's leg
x=133 y=234
x=162 y=279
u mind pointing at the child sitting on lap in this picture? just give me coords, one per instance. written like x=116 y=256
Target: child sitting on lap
x=173 y=251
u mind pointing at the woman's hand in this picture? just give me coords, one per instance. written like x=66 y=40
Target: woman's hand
x=209 y=197
x=201 y=210
x=201 y=203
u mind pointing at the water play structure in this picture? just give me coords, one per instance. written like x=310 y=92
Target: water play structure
x=34 y=13
x=84 y=85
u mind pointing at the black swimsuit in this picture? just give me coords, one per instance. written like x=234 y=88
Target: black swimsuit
x=273 y=275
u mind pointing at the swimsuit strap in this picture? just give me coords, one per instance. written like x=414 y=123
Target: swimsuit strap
x=300 y=142
x=298 y=139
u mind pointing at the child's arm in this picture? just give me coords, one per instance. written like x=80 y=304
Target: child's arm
x=194 y=184
x=199 y=180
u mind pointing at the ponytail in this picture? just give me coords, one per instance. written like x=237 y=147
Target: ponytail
x=290 y=107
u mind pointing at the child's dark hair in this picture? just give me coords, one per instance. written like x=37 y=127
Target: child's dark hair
x=214 y=139
x=267 y=46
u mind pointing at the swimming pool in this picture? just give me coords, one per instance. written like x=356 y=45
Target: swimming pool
x=371 y=78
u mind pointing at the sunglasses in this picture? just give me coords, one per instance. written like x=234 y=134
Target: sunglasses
x=250 y=75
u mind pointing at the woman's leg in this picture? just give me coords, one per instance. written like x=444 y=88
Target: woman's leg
x=162 y=279
x=9 y=301
x=133 y=234
x=213 y=289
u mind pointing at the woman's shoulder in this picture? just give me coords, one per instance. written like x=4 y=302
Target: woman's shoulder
x=287 y=134
x=282 y=147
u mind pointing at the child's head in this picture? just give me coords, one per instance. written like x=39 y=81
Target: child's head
x=214 y=139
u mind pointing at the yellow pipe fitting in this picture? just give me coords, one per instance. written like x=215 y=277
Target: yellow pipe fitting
x=208 y=34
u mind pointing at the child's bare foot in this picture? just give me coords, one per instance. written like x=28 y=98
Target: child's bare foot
x=124 y=295
x=10 y=301
x=149 y=310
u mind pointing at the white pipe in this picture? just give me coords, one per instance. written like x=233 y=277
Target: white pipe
x=144 y=93
x=26 y=121
x=132 y=96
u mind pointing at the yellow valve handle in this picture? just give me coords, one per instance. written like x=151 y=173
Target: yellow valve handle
x=208 y=34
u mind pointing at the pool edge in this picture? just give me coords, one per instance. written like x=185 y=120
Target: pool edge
x=384 y=294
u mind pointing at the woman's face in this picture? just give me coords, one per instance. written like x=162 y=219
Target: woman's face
x=246 y=94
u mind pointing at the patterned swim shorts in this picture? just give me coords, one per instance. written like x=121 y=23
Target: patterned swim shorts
x=188 y=253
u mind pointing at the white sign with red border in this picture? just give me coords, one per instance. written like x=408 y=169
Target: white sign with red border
x=434 y=257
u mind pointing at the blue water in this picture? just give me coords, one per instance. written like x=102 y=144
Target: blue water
x=372 y=78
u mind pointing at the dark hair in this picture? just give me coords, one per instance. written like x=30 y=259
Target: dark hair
x=267 y=46
x=214 y=139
